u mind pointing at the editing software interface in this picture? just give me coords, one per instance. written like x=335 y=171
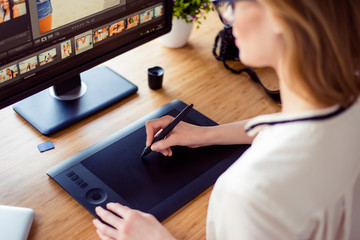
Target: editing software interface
x=32 y=39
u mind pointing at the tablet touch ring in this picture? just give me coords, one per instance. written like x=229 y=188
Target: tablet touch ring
x=96 y=196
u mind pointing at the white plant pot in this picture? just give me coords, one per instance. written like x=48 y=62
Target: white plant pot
x=179 y=34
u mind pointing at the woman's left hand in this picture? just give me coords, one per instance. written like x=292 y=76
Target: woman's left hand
x=132 y=224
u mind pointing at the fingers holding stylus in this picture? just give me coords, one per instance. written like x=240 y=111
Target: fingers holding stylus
x=184 y=134
x=154 y=126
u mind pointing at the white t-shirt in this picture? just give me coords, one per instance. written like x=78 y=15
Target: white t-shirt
x=6 y=17
x=296 y=181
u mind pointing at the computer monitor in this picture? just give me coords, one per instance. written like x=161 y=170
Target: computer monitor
x=49 y=50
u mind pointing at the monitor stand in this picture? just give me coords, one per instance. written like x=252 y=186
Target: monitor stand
x=55 y=108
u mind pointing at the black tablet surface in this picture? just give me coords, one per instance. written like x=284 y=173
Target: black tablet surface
x=112 y=170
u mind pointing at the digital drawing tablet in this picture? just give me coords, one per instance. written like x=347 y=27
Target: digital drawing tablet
x=15 y=222
x=112 y=170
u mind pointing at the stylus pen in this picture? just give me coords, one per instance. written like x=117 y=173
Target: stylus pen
x=168 y=129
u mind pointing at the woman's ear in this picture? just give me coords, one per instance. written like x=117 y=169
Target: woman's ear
x=277 y=28
x=275 y=24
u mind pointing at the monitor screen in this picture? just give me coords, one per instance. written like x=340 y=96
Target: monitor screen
x=48 y=42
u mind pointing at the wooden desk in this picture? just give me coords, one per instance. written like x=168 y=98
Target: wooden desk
x=191 y=74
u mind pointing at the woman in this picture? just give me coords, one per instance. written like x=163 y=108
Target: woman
x=9 y=10
x=297 y=180
x=10 y=74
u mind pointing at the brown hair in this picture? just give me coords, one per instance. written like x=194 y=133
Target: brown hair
x=322 y=41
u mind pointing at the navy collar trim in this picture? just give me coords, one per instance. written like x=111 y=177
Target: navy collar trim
x=251 y=129
x=314 y=118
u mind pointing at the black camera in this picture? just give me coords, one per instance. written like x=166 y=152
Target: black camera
x=228 y=49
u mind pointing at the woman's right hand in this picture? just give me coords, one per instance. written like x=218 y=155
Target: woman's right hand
x=184 y=134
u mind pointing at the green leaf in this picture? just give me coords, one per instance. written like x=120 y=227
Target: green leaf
x=185 y=9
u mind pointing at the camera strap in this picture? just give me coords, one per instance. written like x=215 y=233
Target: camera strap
x=229 y=51
x=273 y=94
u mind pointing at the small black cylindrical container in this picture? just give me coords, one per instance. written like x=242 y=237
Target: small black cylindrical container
x=155 y=77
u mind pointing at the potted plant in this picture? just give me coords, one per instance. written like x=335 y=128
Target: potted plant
x=185 y=14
